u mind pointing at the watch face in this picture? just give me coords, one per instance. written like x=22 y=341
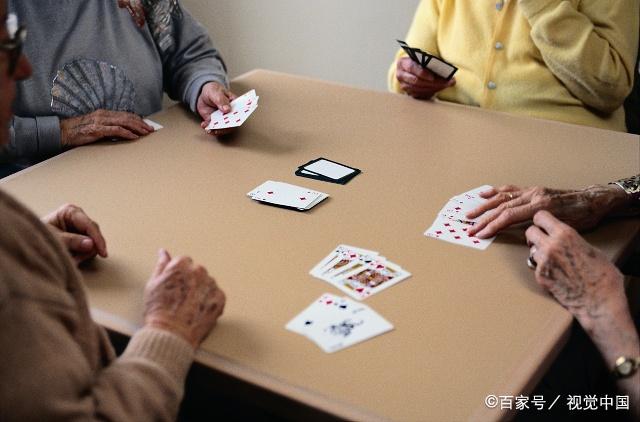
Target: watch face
x=625 y=367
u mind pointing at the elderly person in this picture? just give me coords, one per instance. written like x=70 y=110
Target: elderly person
x=564 y=60
x=98 y=69
x=55 y=362
x=579 y=276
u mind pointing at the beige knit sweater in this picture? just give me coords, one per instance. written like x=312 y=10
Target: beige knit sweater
x=55 y=362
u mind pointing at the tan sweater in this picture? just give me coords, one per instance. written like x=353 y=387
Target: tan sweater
x=55 y=362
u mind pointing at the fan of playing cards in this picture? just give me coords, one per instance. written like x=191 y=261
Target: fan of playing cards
x=241 y=109
x=358 y=272
x=451 y=224
x=429 y=61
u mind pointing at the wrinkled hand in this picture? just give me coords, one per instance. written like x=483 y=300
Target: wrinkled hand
x=578 y=275
x=80 y=234
x=508 y=205
x=100 y=124
x=136 y=10
x=214 y=96
x=182 y=298
x=418 y=82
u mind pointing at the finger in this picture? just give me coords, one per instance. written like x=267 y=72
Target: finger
x=503 y=220
x=77 y=243
x=545 y=220
x=409 y=67
x=535 y=236
x=220 y=100
x=231 y=95
x=494 y=202
x=488 y=193
x=115 y=132
x=85 y=225
x=163 y=260
x=129 y=121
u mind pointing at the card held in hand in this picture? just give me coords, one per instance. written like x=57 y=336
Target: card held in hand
x=429 y=61
x=241 y=108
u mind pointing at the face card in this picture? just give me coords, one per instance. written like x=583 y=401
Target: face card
x=339 y=257
x=371 y=278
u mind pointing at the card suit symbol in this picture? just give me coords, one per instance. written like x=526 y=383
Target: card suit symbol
x=246 y=111
x=216 y=123
x=343 y=306
x=359 y=289
x=329 y=302
x=464 y=230
x=235 y=112
x=447 y=224
x=457 y=237
x=302 y=198
x=238 y=120
x=308 y=322
x=457 y=208
x=452 y=230
x=476 y=241
x=270 y=192
x=379 y=266
x=438 y=232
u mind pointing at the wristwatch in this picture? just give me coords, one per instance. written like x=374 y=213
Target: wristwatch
x=626 y=366
x=630 y=185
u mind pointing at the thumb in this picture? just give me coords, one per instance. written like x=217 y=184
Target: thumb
x=77 y=243
x=163 y=260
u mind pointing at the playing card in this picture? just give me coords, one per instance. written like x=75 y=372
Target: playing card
x=429 y=61
x=156 y=126
x=451 y=224
x=340 y=256
x=334 y=323
x=286 y=195
x=241 y=108
x=365 y=280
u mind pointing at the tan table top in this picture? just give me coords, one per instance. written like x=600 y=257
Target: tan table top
x=467 y=324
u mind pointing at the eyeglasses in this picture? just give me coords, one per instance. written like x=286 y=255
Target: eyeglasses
x=13 y=47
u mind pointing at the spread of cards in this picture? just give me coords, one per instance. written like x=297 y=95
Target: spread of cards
x=333 y=322
x=429 y=61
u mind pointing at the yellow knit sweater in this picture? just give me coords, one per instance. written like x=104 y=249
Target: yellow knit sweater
x=568 y=60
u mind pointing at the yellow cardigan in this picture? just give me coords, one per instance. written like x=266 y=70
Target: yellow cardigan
x=567 y=60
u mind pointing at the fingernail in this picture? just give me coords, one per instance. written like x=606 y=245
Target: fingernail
x=226 y=108
x=86 y=244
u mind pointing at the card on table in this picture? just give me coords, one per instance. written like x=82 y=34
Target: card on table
x=327 y=171
x=241 y=108
x=287 y=195
x=358 y=272
x=156 y=126
x=335 y=323
x=451 y=224
x=429 y=61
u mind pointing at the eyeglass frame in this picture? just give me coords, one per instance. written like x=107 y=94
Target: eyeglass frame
x=14 y=48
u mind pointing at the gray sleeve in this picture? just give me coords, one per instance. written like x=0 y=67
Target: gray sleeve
x=191 y=62
x=33 y=137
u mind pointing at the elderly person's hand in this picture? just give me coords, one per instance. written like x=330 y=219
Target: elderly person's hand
x=578 y=275
x=79 y=233
x=182 y=298
x=583 y=280
x=418 y=82
x=101 y=124
x=214 y=96
x=508 y=205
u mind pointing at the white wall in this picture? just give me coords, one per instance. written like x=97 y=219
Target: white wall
x=347 y=41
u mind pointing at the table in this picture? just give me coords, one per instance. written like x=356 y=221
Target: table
x=467 y=324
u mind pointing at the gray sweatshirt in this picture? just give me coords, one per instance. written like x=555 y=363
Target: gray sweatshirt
x=89 y=54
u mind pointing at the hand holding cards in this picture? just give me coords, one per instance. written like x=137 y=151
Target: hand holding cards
x=287 y=196
x=335 y=323
x=428 y=61
x=451 y=224
x=241 y=108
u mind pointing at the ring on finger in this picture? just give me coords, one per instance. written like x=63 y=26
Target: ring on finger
x=510 y=195
x=531 y=262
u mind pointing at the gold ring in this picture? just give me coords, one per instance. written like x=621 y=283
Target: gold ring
x=510 y=195
x=531 y=263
